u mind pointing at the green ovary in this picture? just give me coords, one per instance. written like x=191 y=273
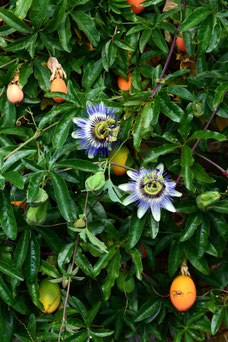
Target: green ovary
x=152 y=185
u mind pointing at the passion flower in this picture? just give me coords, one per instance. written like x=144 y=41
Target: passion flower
x=97 y=131
x=151 y=189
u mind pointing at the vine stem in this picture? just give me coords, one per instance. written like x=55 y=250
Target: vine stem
x=198 y=140
x=62 y=329
x=169 y=57
x=36 y=135
x=212 y=163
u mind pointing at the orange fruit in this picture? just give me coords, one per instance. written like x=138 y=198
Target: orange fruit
x=144 y=255
x=123 y=84
x=17 y=203
x=14 y=93
x=49 y=295
x=183 y=292
x=58 y=84
x=137 y=8
x=120 y=157
x=180 y=43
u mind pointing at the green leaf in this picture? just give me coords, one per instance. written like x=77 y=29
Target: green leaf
x=113 y=192
x=34 y=185
x=83 y=263
x=5 y=293
x=35 y=295
x=175 y=257
x=159 y=40
x=49 y=270
x=202 y=236
x=86 y=24
x=42 y=75
x=64 y=256
x=217 y=321
x=8 y=113
x=37 y=12
x=20 y=252
x=193 y=221
x=200 y=174
x=57 y=17
x=137 y=132
x=195 y=17
x=60 y=109
x=137 y=260
x=181 y=92
x=15 y=157
x=147 y=309
x=135 y=230
x=219 y=222
x=145 y=37
x=160 y=151
x=95 y=241
x=92 y=313
x=32 y=263
x=62 y=129
x=200 y=264
x=13 y=21
x=51 y=238
x=79 y=164
x=204 y=35
x=15 y=178
x=154 y=227
x=62 y=196
x=25 y=71
x=186 y=162
x=216 y=35
x=64 y=32
x=22 y=8
x=91 y=72
x=205 y=134
x=171 y=110
x=219 y=93
x=9 y=270
x=113 y=273
x=123 y=45
x=220 y=207
x=7 y=218
x=103 y=260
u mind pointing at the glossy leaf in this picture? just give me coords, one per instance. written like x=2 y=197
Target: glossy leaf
x=7 y=217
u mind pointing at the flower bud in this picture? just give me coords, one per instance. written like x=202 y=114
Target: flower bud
x=80 y=223
x=195 y=108
x=207 y=198
x=95 y=182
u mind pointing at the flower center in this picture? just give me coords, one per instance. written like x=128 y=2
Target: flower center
x=107 y=130
x=153 y=184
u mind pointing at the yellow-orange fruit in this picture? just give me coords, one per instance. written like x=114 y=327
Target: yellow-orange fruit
x=59 y=85
x=180 y=43
x=183 y=292
x=123 y=84
x=49 y=295
x=14 y=93
x=120 y=157
x=137 y=8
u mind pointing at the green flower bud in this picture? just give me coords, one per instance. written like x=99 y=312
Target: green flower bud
x=95 y=182
x=37 y=214
x=80 y=223
x=195 y=108
x=206 y=199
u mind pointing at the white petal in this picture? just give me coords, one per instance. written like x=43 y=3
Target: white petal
x=128 y=200
x=172 y=184
x=78 y=121
x=133 y=175
x=169 y=206
x=141 y=211
x=91 y=153
x=76 y=135
x=160 y=168
x=156 y=212
x=124 y=187
x=176 y=193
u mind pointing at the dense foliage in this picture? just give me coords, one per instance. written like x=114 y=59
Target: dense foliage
x=73 y=219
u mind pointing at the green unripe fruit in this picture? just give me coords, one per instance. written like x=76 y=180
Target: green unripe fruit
x=125 y=285
x=206 y=199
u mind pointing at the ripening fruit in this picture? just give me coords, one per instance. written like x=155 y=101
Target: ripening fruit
x=183 y=292
x=18 y=203
x=14 y=93
x=123 y=284
x=49 y=295
x=138 y=8
x=180 y=43
x=58 y=84
x=123 y=84
x=120 y=157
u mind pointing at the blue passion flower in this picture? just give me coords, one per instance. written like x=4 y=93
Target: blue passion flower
x=152 y=190
x=98 y=130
